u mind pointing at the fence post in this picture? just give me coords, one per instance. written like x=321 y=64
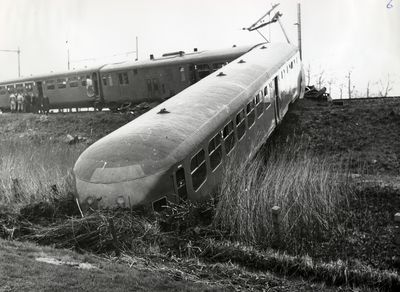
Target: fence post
x=397 y=231
x=114 y=236
x=276 y=221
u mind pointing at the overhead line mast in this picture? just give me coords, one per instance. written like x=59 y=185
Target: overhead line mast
x=15 y=51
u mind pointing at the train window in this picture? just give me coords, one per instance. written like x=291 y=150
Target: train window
x=73 y=82
x=50 y=84
x=10 y=88
x=240 y=124
x=181 y=184
x=250 y=113
x=83 y=80
x=155 y=84
x=104 y=78
x=20 y=88
x=182 y=72
x=229 y=137
x=215 y=151
x=198 y=169
x=29 y=86
x=62 y=83
x=135 y=71
x=259 y=104
x=266 y=90
x=149 y=87
x=203 y=70
x=3 y=90
x=110 y=81
x=123 y=78
x=267 y=99
x=217 y=66
x=160 y=205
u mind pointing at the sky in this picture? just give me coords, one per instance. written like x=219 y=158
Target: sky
x=340 y=38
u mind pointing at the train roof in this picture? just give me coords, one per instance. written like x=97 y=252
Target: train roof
x=153 y=142
x=45 y=76
x=181 y=57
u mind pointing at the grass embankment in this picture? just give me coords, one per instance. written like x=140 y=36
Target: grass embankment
x=324 y=232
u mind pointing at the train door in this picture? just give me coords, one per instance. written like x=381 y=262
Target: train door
x=180 y=184
x=39 y=86
x=92 y=85
x=278 y=102
x=153 y=86
x=192 y=74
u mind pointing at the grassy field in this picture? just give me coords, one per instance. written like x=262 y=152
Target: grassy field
x=332 y=171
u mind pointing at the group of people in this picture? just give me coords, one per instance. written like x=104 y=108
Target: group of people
x=29 y=103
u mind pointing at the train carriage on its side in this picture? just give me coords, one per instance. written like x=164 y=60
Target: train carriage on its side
x=176 y=150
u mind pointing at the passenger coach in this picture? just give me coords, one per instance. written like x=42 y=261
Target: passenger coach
x=116 y=85
x=176 y=151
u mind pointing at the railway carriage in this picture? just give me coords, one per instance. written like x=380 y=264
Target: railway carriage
x=68 y=89
x=114 y=85
x=161 y=78
x=176 y=151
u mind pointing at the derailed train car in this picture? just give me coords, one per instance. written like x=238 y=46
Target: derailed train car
x=176 y=151
x=114 y=85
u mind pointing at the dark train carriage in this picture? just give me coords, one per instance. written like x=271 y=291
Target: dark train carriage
x=161 y=78
x=178 y=154
x=24 y=86
x=69 y=89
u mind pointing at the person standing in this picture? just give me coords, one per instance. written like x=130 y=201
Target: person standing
x=20 y=102
x=27 y=103
x=33 y=103
x=13 y=102
x=46 y=104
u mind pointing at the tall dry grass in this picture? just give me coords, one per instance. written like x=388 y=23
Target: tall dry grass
x=35 y=170
x=308 y=189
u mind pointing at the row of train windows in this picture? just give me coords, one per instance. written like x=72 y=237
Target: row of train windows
x=198 y=163
x=62 y=83
x=50 y=84
x=202 y=69
x=289 y=66
x=18 y=88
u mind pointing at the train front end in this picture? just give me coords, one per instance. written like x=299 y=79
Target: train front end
x=125 y=169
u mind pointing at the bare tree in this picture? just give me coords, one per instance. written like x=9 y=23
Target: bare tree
x=341 y=90
x=320 y=77
x=350 y=89
x=308 y=74
x=384 y=87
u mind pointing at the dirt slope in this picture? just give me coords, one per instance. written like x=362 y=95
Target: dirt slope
x=363 y=134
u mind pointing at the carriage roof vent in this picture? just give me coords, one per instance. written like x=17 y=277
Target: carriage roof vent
x=264 y=47
x=242 y=61
x=195 y=50
x=221 y=74
x=179 y=53
x=151 y=57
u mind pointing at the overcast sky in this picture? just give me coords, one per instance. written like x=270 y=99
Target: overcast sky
x=338 y=36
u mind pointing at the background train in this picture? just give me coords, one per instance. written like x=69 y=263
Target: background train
x=177 y=150
x=114 y=85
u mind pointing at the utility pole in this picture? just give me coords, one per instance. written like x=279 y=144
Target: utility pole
x=15 y=51
x=299 y=29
